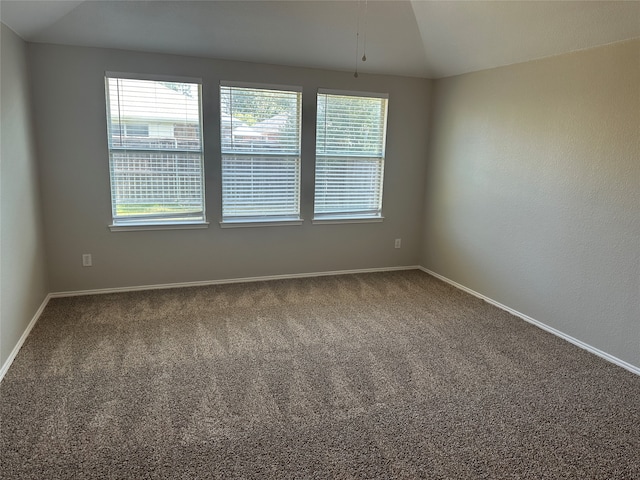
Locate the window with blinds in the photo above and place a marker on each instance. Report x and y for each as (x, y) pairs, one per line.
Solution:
(155, 151)
(260, 141)
(350, 144)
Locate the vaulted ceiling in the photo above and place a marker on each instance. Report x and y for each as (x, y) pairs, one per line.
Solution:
(430, 39)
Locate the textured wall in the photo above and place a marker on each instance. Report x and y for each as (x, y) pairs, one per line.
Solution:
(23, 284)
(68, 86)
(533, 191)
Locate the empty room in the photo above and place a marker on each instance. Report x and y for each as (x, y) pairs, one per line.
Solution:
(319, 239)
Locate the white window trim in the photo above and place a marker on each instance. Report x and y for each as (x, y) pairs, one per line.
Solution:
(336, 220)
(261, 86)
(153, 77)
(137, 227)
(260, 223)
(351, 93)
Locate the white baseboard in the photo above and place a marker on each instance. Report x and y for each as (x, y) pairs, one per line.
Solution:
(33, 321)
(524, 317)
(228, 280)
(24, 336)
(537, 323)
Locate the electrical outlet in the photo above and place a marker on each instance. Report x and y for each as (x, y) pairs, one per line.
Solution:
(398, 243)
(87, 260)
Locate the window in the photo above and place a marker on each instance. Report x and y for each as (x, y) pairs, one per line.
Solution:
(136, 130)
(155, 151)
(130, 130)
(350, 143)
(260, 139)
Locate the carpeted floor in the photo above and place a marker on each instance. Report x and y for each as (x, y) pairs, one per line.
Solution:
(389, 375)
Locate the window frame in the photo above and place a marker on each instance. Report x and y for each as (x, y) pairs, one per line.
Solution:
(353, 216)
(261, 220)
(163, 221)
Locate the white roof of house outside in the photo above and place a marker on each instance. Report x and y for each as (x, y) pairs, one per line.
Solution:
(152, 102)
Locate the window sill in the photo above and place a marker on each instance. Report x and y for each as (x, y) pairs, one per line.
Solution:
(135, 227)
(259, 223)
(337, 220)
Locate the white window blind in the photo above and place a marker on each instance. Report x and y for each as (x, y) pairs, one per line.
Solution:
(155, 151)
(260, 140)
(350, 145)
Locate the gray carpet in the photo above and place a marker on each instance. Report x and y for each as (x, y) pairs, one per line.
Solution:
(390, 375)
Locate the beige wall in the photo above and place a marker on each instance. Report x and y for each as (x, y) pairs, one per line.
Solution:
(533, 191)
(23, 284)
(68, 87)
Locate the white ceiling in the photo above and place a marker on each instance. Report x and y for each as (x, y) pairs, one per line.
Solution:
(416, 38)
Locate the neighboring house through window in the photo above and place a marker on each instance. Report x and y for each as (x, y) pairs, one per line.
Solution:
(350, 145)
(260, 140)
(155, 150)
